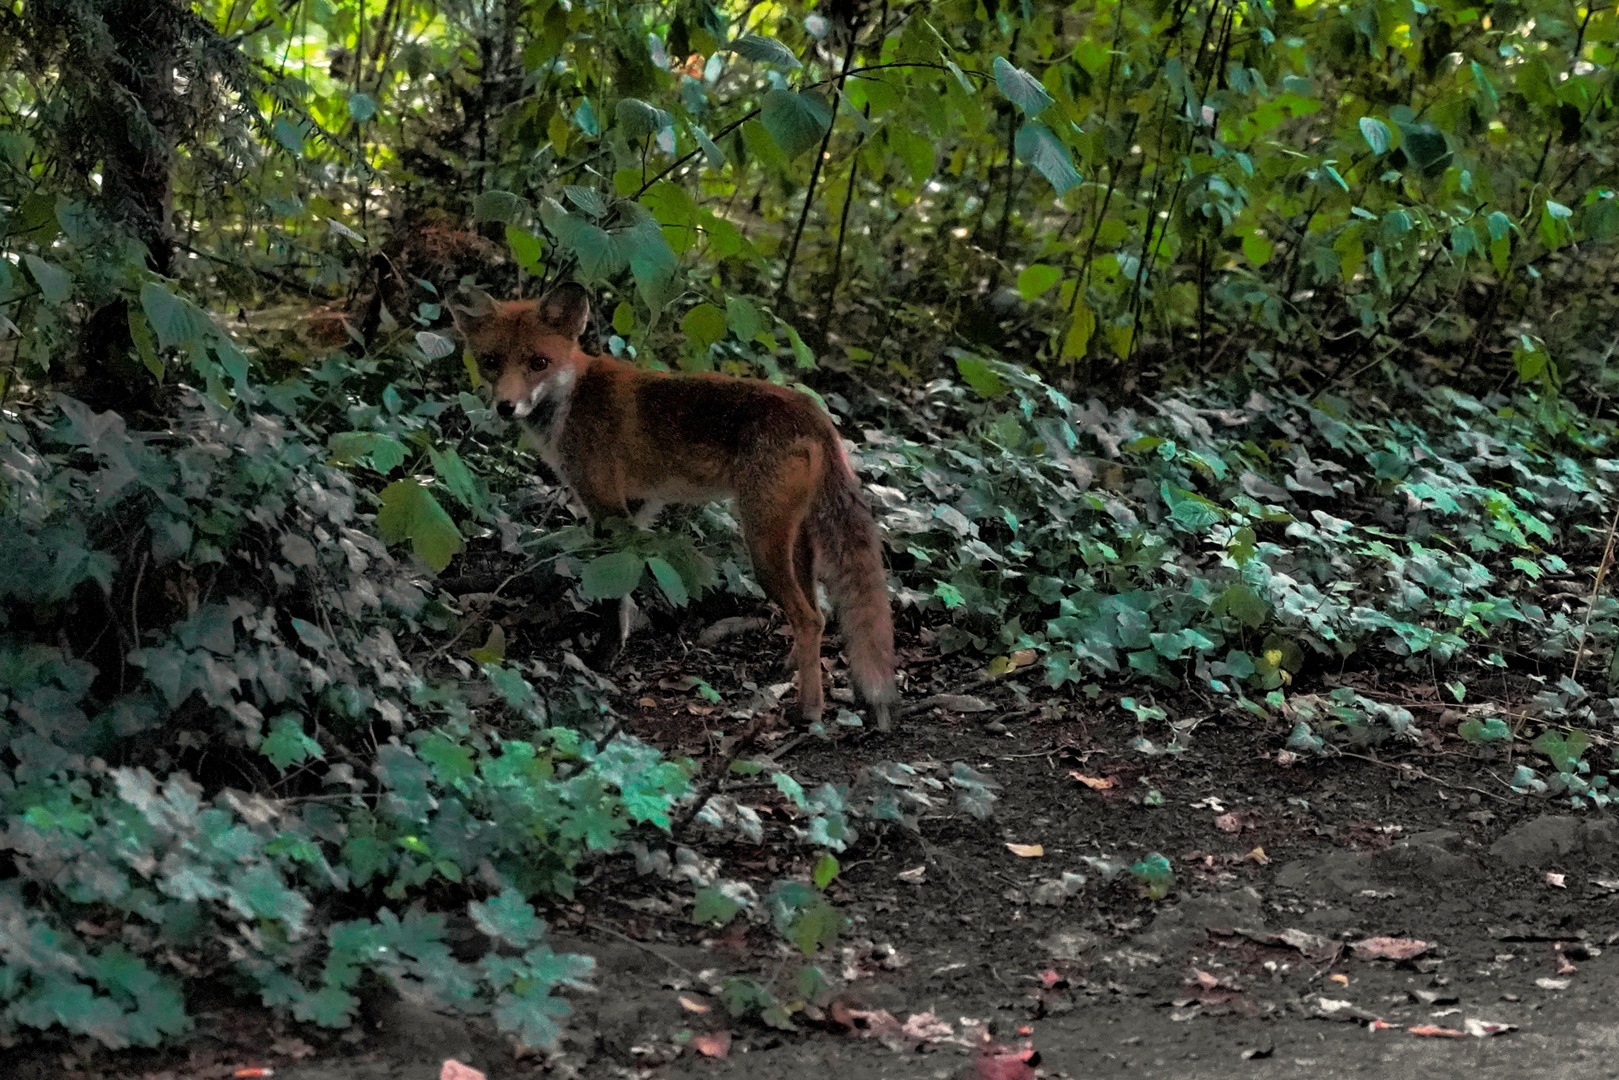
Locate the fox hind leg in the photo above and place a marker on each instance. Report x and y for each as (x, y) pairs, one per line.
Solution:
(772, 523)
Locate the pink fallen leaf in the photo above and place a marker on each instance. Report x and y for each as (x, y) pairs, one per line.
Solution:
(1556, 880)
(1483, 1029)
(1229, 823)
(454, 1070)
(1388, 948)
(996, 1062)
(1434, 1031)
(926, 1027)
(1027, 851)
(714, 1044)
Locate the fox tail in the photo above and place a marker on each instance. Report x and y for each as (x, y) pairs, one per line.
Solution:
(850, 563)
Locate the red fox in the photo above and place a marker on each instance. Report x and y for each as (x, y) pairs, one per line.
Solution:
(618, 435)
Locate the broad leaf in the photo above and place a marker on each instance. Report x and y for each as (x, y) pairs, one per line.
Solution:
(796, 121)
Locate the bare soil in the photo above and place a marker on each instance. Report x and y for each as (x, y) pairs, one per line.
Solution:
(1248, 968)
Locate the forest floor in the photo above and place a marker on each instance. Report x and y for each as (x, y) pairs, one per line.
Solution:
(956, 943)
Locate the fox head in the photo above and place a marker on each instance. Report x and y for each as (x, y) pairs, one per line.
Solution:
(527, 350)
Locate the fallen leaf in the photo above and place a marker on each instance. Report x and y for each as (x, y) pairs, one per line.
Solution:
(258, 1072)
(1564, 967)
(715, 1044)
(292, 1047)
(1229, 823)
(647, 703)
(1049, 978)
(1387, 948)
(1379, 1025)
(454, 1070)
(1313, 946)
(1005, 1063)
(1556, 880)
(1095, 783)
(1025, 657)
(1341, 980)
(916, 875)
(1552, 984)
(927, 1027)
(1027, 851)
(1258, 856)
(1435, 1032)
(1025, 1029)
(692, 1005)
(1483, 1029)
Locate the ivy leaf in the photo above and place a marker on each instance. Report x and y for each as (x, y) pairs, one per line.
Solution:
(713, 907)
(611, 577)
(410, 512)
(508, 917)
(287, 744)
(1155, 875)
(531, 1015)
(765, 51)
(795, 121)
(1039, 146)
(1021, 88)
(1480, 732)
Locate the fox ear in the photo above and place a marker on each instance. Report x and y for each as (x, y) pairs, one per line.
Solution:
(469, 306)
(566, 309)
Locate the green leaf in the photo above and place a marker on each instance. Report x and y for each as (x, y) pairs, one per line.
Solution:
(1563, 751)
(55, 284)
(434, 346)
(362, 107)
(1080, 332)
(1021, 88)
(287, 744)
(826, 868)
(795, 121)
(1480, 732)
(410, 512)
(498, 206)
(705, 325)
(531, 1015)
(1376, 134)
(508, 917)
(493, 650)
(169, 315)
(1039, 146)
(980, 376)
(1037, 279)
(1257, 249)
(713, 907)
(611, 577)
(527, 249)
(669, 580)
(1155, 875)
(765, 51)
(817, 928)
(638, 120)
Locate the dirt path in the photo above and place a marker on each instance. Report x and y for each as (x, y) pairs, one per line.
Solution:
(1247, 969)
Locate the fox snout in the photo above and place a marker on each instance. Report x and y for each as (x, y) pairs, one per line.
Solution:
(506, 410)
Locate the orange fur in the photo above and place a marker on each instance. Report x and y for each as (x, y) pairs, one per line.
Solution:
(618, 435)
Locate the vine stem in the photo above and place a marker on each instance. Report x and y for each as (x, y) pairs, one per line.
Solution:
(1596, 586)
(815, 171)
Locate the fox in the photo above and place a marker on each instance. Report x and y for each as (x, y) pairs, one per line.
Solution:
(617, 435)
